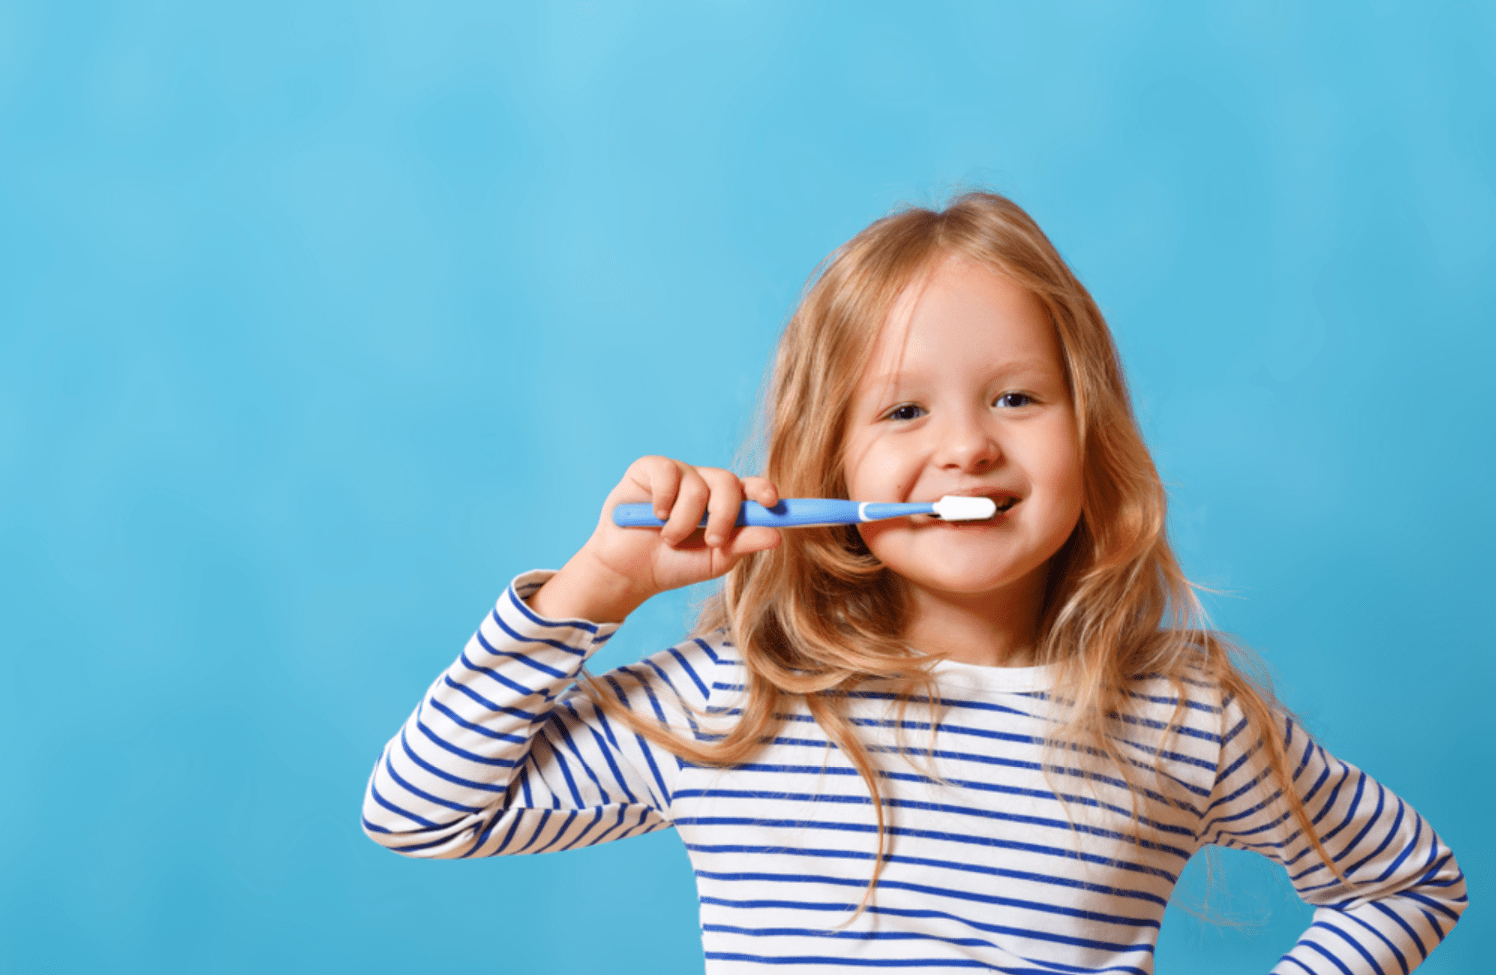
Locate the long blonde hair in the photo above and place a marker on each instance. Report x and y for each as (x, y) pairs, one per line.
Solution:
(819, 615)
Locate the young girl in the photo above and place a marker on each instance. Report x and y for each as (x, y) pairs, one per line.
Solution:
(915, 743)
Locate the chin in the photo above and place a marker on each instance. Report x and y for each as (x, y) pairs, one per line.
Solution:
(967, 580)
(975, 587)
(971, 569)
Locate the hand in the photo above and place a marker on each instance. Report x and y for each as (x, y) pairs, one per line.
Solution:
(619, 568)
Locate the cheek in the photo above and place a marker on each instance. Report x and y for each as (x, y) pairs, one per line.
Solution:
(875, 473)
(1072, 496)
(853, 455)
(873, 534)
(1068, 476)
(1066, 461)
(1065, 480)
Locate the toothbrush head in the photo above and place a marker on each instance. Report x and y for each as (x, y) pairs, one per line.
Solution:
(955, 507)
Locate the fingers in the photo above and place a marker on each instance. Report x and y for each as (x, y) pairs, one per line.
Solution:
(762, 490)
(708, 491)
(681, 495)
(722, 506)
(699, 539)
(687, 507)
(661, 478)
(678, 495)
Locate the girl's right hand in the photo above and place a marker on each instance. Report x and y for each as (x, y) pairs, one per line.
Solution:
(619, 568)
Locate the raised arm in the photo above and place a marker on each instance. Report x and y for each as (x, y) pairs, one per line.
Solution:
(1407, 891)
(504, 754)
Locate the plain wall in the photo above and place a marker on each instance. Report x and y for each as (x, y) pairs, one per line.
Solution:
(321, 321)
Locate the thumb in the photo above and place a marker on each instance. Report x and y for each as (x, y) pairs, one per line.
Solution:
(755, 539)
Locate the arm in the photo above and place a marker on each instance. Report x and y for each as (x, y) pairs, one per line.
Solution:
(504, 756)
(1407, 891)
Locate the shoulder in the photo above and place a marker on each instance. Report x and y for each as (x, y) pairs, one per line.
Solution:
(1189, 716)
(1189, 692)
(1220, 705)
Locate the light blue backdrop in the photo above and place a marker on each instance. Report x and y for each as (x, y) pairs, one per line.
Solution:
(321, 320)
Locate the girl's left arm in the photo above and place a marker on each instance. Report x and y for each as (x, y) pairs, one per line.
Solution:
(1406, 891)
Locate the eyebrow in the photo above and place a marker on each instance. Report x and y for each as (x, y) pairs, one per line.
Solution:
(902, 376)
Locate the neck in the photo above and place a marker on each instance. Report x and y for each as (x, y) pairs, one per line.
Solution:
(992, 630)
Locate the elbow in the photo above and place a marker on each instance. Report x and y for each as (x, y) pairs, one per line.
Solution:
(387, 838)
(1443, 887)
(1448, 890)
(417, 844)
(409, 835)
(422, 843)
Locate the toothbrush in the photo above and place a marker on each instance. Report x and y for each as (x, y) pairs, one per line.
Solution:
(817, 512)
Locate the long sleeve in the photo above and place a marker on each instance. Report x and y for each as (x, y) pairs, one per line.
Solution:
(1407, 889)
(505, 755)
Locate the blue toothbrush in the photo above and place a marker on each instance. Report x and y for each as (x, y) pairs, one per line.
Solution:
(815, 512)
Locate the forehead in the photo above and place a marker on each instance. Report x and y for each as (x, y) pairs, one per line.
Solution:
(958, 317)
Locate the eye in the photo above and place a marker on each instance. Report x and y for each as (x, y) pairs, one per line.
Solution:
(1014, 400)
(905, 412)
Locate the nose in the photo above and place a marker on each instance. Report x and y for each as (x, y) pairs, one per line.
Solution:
(967, 445)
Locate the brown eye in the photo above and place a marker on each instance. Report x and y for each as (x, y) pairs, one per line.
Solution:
(1013, 400)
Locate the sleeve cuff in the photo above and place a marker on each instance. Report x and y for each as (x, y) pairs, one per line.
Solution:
(578, 635)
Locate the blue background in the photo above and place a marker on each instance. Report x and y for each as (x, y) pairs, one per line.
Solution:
(320, 321)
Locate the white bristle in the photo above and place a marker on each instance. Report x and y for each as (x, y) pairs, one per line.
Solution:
(954, 507)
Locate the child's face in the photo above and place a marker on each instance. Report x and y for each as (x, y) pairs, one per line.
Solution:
(966, 394)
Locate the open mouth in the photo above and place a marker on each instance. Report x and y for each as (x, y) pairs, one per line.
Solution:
(973, 509)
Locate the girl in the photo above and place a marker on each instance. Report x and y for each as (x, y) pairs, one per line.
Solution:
(915, 743)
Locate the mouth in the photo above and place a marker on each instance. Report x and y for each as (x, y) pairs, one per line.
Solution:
(974, 509)
(1004, 500)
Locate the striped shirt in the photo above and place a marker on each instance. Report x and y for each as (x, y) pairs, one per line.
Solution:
(991, 864)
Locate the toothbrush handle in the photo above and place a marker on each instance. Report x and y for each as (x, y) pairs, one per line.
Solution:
(788, 513)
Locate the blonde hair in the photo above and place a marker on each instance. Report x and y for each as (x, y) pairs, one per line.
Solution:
(819, 615)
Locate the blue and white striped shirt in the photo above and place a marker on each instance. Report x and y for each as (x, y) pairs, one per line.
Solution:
(988, 867)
